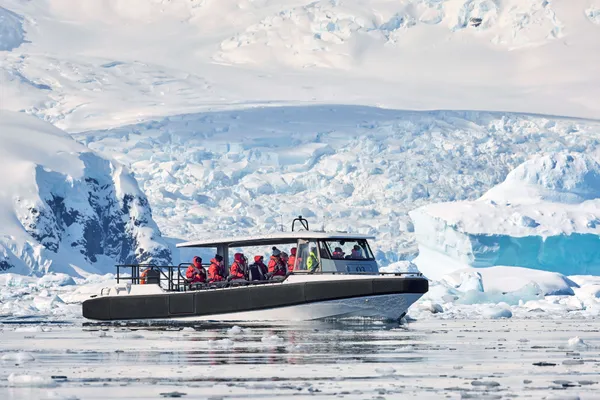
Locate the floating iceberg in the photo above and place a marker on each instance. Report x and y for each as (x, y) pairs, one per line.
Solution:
(544, 216)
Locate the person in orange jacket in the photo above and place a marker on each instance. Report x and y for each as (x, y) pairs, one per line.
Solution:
(238, 268)
(216, 271)
(292, 260)
(276, 265)
(196, 272)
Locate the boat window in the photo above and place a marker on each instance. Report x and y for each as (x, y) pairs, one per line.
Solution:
(349, 249)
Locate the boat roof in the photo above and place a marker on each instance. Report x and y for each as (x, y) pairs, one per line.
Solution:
(275, 238)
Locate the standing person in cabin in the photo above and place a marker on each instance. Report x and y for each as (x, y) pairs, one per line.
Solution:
(313, 261)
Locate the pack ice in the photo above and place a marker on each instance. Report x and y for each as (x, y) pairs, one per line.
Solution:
(65, 209)
(545, 216)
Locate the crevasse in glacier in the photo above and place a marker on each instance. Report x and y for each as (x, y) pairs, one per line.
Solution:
(545, 215)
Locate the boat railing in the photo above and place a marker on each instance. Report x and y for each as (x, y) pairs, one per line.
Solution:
(172, 279)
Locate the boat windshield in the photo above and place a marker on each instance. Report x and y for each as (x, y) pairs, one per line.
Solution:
(350, 249)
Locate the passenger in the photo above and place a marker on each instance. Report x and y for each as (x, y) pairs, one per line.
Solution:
(260, 260)
(292, 260)
(276, 265)
(143, 276)
(338, 253)
(238, 267)
(257, 271)
(150, 275)
(313, 262)
(196, 272)
(356, 252)
(284, 259)
(216, 271)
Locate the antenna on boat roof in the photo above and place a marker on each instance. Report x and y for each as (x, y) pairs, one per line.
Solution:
(281, 225)
(302, 221)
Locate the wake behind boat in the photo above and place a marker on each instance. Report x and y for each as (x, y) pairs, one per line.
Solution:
(333, 275)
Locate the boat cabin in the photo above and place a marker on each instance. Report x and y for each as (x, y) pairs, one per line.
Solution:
(335, 252)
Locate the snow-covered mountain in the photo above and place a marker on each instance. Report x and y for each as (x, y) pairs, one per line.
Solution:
(545, 215)
(237, 115)
(65, 209)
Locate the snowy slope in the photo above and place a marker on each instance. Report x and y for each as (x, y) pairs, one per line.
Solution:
(105, 63)
(545, 215)
(64, 208)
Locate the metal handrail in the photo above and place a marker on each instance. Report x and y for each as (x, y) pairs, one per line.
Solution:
(180, 283)
(173, 283)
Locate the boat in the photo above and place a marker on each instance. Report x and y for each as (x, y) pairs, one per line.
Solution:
(339, 285)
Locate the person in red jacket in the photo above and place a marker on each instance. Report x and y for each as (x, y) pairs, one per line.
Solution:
(238, 268)
(292, 260)
(195, 272)
(216, 271)
(276, 265)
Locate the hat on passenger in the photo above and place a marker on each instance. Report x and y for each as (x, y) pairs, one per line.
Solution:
(218, 257)
(258, 259)
(293, 251)
(276, 252)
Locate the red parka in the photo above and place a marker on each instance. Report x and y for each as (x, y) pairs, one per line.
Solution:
(195, 272)
(216, 271)
(237, 268)
(276, 266)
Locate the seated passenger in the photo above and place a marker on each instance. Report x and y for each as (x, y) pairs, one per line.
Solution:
(216, 271)
(257, 271)
(284, 259)
(238, 268)
(338, 253)
(356, 252)
(292, 260)
(276, 265)
(313, 262)
(195, 272)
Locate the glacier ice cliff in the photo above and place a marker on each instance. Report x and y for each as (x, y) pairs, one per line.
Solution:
(545, 215)
(65, 209)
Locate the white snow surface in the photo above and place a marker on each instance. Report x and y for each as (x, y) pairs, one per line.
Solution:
(61, 205)
(105, 63)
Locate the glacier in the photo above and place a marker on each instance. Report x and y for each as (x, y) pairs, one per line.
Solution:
(545, 216)
(65, 209)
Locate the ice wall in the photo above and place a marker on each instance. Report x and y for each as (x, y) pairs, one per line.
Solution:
(545, 215)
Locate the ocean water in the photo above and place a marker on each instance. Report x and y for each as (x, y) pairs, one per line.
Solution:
(452, 359)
